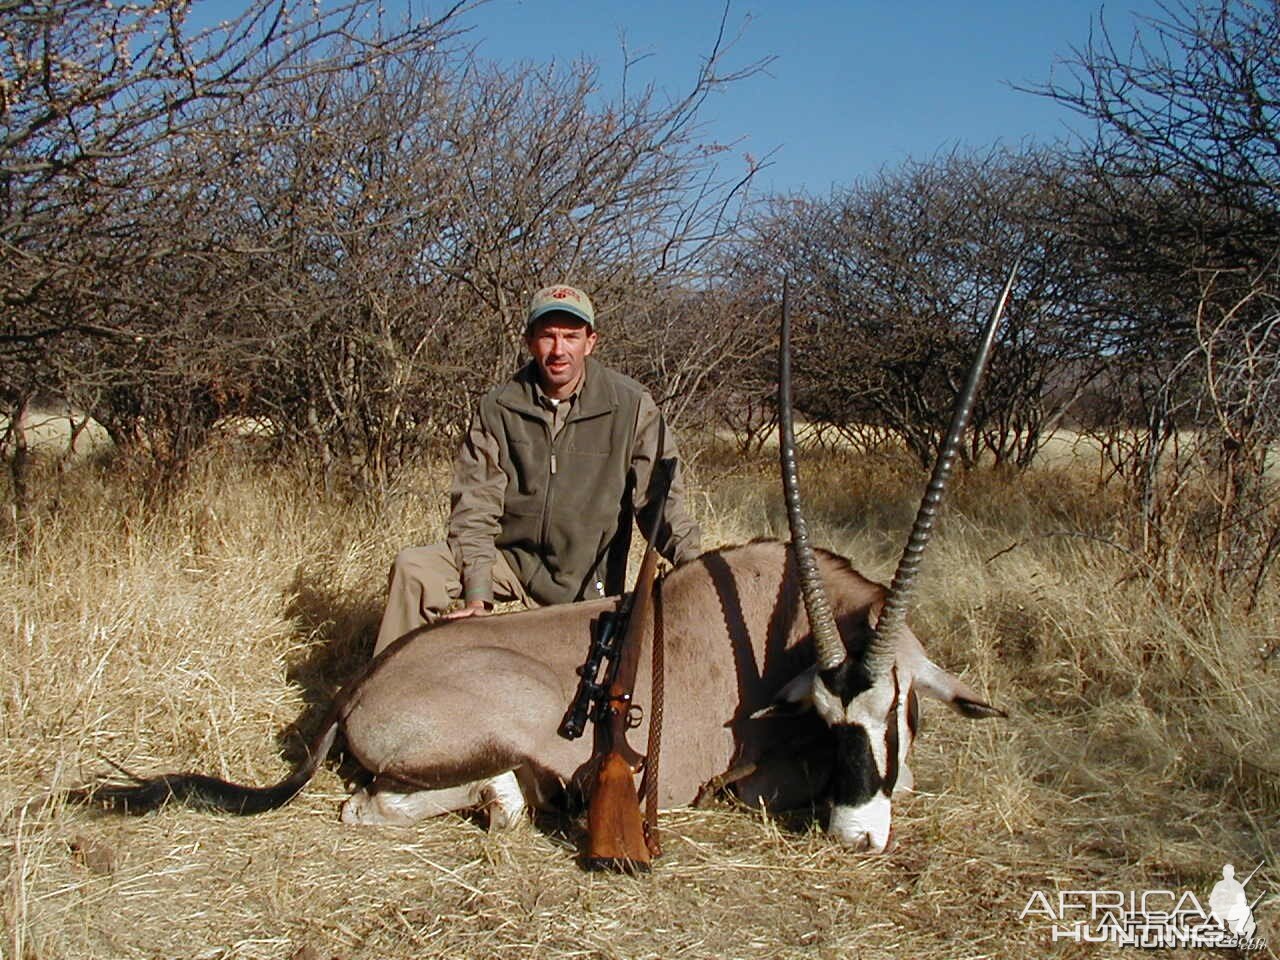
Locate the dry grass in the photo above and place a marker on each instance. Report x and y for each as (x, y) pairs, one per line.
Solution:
(199, 633)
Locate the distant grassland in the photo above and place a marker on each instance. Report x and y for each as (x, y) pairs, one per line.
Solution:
(201, 631)
(49, 431)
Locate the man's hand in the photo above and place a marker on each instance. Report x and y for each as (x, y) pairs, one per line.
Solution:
(474, 608)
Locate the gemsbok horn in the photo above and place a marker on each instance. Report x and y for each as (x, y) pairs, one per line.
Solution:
(859, 684)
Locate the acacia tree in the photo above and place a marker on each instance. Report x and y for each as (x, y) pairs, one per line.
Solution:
(709, 351)
(897, 275)
(308, 216)
(1177, 201)
(107, 279)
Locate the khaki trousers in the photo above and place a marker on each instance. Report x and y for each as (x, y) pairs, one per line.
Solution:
(425, 582)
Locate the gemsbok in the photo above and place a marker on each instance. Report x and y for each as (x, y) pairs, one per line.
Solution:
(790, 679)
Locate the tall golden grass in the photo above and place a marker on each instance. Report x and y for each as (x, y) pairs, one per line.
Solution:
(203, 629)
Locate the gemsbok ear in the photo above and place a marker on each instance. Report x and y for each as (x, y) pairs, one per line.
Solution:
(795, 697)
(932, 681)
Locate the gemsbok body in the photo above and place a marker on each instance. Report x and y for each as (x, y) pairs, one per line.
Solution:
(790, 679)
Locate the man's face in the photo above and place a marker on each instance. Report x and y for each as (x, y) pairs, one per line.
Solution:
(560, 345)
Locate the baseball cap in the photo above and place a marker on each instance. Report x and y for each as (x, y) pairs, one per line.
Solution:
(564, 299)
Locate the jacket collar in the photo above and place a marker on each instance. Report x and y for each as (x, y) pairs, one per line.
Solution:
(596, 397)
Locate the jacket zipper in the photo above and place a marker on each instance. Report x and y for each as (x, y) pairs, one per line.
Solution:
(552, 441)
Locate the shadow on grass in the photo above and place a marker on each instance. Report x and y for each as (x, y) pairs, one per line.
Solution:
(336, 628)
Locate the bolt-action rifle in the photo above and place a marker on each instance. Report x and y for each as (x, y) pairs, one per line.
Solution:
(618, 837)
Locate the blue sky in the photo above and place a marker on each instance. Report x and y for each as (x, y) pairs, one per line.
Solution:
(855, 86)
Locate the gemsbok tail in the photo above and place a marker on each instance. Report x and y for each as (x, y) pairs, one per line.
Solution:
(205, 792)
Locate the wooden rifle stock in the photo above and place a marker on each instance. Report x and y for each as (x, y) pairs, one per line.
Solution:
(616, 836)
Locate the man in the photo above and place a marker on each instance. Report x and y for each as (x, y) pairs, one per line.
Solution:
(555, 464)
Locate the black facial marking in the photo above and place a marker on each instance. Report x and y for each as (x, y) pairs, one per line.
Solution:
(855, 779)
(847, 680)
(850, 678)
